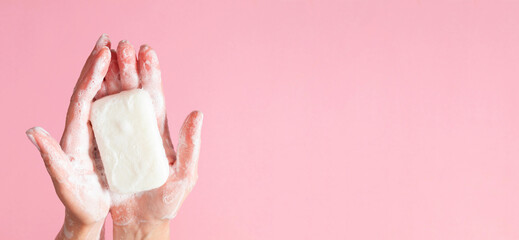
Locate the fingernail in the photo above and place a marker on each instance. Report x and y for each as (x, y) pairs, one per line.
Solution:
(102, 39)
(124, 42)
(41, 130)
(31, 137)
(145, 47)
(199, 118)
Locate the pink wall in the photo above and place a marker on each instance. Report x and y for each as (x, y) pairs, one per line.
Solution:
(323, 119)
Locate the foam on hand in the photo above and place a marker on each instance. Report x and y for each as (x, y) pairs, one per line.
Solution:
(129, 141)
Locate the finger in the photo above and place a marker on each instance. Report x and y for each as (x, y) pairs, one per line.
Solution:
(189, 145)
(103, 41)
(112, 80)
(56, 161)
(79, 108)
(150, 76)
(111, 83)
(149, 72)
(127, 65)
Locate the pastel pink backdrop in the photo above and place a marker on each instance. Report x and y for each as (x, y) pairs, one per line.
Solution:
(323, 119)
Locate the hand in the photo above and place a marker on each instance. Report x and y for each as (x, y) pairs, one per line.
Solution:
(72, 166)
(147, 214)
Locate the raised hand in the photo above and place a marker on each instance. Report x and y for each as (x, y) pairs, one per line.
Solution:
(147, 214)
(72, 166)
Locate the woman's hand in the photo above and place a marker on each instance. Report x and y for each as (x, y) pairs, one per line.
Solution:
(76, 177)
(147, 214)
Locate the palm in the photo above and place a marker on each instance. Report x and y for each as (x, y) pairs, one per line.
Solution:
(83, 194)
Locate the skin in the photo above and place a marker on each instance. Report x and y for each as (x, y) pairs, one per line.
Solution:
(75, 167)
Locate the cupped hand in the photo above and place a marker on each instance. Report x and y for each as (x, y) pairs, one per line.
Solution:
(72, 164)
(156, 206)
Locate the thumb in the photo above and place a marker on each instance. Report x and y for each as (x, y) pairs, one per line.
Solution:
(189, 145)
(56, 161)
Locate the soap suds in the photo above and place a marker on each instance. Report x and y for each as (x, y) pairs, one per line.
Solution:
(87, 190)
(120, 198)
(68, 234)
(176, 198)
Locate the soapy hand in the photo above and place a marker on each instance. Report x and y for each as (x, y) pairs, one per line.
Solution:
(148, 213)
(72, 166)
(76, 169)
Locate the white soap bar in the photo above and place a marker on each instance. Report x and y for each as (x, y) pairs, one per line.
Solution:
(128, 139)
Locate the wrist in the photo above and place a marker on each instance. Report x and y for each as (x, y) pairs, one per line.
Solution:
(74, 229)
(142, 230)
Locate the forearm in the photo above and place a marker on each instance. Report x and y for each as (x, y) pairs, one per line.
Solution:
(72, 229)
(143, 230)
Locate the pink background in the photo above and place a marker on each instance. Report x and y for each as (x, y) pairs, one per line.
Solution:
(323, 119)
